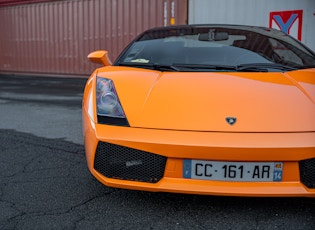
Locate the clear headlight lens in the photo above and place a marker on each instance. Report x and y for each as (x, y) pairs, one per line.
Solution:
(107, 101)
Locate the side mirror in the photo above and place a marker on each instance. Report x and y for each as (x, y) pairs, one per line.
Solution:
(100, 57)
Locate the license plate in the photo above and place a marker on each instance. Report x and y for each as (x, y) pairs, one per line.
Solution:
(233, 171)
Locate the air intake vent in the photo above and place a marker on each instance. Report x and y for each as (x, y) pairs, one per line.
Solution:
(307, 172)
(119, 162)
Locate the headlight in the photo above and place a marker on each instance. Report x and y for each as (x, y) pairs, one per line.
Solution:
(109, 110)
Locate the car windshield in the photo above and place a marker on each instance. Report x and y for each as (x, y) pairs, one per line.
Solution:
(217, 48)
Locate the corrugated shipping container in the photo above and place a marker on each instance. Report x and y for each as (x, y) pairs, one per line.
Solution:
(55, 37)
(296, 17)
(19, 2)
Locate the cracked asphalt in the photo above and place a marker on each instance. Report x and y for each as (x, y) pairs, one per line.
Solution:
(45, 183)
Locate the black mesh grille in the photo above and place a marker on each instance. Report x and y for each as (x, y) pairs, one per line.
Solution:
(119, 162)
(307, 172)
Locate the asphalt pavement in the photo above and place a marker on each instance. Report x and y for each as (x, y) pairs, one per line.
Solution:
(45, 183)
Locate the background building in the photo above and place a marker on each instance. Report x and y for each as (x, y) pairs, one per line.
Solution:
(295, 17)
(54, 37)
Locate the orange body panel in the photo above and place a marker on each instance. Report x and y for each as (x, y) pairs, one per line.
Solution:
(167, 116)
(263, 102)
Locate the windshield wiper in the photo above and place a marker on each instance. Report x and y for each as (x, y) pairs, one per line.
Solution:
(251, 67)
(152, 66)
(263, 67)
(202, 67)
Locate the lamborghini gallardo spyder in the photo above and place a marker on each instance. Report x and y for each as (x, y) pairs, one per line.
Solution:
(204, 109)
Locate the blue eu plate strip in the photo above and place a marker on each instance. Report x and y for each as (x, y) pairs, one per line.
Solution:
(187, 169)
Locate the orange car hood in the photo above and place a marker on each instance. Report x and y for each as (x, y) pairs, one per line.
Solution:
(201, 101)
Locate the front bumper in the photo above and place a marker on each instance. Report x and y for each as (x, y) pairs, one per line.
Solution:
(174, 146)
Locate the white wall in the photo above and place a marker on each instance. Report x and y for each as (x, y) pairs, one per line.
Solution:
(254, 12)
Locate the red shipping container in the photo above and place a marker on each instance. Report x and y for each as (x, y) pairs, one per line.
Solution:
(54, 37)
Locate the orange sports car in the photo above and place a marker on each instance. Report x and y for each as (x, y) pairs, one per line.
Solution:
(204, 109)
